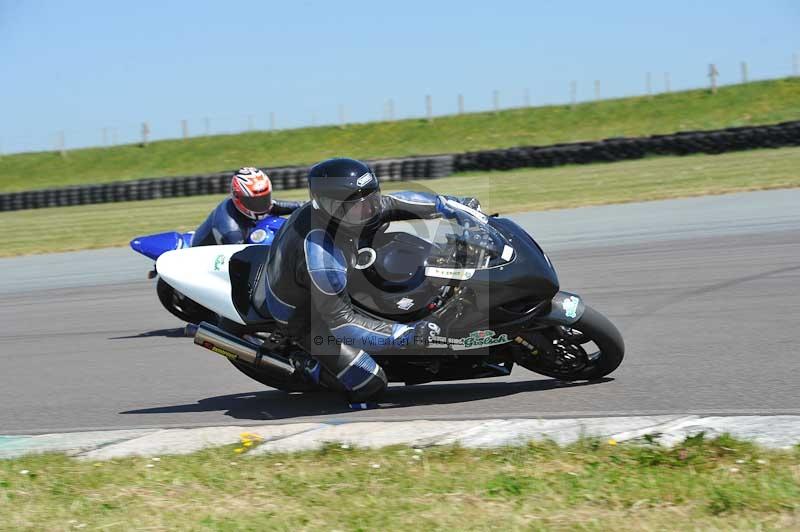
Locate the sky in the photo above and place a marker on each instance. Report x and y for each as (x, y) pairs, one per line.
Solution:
(95, 70)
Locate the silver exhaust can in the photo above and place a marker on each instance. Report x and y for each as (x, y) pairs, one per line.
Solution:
(235, 348)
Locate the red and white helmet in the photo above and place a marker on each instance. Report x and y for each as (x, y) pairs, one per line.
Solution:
(251, 191)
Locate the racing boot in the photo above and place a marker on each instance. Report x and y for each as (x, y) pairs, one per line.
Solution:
(356, 373)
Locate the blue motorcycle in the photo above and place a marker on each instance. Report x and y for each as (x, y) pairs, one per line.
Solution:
(180, 306)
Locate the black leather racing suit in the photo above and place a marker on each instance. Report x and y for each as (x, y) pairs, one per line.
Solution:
(226, 225)
(306, 290)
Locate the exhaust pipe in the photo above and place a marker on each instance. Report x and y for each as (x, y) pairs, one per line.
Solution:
(235, 348)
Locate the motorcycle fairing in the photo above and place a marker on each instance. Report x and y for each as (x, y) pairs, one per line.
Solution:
(152, 246)
(565, 309)
(202, 274)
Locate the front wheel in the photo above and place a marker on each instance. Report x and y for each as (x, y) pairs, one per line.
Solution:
(589, 349)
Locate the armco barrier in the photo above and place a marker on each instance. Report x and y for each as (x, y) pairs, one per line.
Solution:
(429, 167)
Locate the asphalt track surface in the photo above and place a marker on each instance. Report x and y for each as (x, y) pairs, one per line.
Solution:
(706, 292)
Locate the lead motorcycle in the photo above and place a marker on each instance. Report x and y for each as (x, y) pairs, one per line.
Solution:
(484, 280)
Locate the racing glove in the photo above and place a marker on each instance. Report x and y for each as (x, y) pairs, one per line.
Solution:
(472, 203)
(443, 208)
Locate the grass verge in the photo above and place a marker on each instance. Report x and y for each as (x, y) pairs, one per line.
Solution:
(762, 102)
(104, 225)
(721, 485)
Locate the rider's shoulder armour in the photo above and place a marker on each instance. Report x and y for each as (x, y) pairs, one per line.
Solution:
(326, 263)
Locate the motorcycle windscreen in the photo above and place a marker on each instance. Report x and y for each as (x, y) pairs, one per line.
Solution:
(464, 245)
(201, 274)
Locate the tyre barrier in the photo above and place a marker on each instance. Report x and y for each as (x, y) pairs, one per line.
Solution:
(428, 167)
(622, 148)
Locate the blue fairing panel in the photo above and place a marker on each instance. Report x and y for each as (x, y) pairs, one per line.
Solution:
(326, 263)
(153, 246)
(272, 222)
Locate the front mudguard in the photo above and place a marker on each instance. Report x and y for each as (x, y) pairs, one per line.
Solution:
(565, 309)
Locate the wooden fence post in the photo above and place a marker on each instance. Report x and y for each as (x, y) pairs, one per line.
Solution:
(185, 129)
(712, 74)
(573, 92)
(743, 66)
(461, 104)
(428, 107)
(60, 141)
(145, 133)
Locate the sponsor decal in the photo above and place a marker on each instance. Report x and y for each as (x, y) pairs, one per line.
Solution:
(219, 350)
(459, 274)
(475, 340)
(570, 306)
(219, 262)
(364, 180)
(484, 338)
(258, 236)
(405, 303)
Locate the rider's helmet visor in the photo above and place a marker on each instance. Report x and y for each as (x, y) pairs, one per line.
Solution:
(352, 212)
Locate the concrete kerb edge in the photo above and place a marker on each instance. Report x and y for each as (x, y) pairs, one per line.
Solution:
(778, 431)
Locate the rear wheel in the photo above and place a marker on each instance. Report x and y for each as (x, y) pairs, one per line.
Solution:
(181, 306)
(297, 382)
(589, 349)
(279, 382)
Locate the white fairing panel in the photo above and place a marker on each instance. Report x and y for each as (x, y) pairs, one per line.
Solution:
(201, 274)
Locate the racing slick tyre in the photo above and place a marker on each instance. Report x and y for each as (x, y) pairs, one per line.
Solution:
(285, 384)
(182, 307)
(589, 349)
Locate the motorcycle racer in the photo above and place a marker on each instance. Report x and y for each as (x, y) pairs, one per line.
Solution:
(235, 217)
(308, 263)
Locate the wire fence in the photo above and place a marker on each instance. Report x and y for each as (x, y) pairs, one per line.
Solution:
(115, 134)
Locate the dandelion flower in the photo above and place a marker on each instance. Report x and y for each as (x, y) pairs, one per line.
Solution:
(238, 450)
(612, 441)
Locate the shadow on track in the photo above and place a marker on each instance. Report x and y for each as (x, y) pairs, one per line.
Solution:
(274, 405)
(178, 332)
